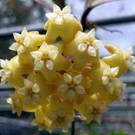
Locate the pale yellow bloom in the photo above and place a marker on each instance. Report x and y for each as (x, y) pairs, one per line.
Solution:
(41, 120)
(95, 111)
(16, 103)
(119, 87)
(58, 16)
(22, 41)
(129, 60)
(6, 72)
(30, 91)
(60, 119)
(90, 44)
(109, 75)
(92, 110)
(71, 86)
(45, 56)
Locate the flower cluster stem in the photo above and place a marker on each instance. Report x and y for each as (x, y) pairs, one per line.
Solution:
(73, 128)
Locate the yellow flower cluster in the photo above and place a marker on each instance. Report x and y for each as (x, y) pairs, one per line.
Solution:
(60, 73)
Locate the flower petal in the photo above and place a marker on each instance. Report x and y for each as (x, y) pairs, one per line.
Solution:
(49, 64)
(53, 54)
(3, 80)
(59, 20)
(80, 89)
(114, 71)
(110, 87)
(91, 34)
(14, 47)
(105, 80)
(67, 78)
(17, 36)
(63, 88)
(26, 41)
(45, 49)
(71, 95)
(39, 65)
(10, 101)
(20, 49)
(77, 79)
(82, 47)
(24, 32)
(51, 16)
(36, 54)
(66, 10)
(22, 91)
(68, 17)
(92, 51)
(35, 88)
(28, 84)
(56, 9)
(2, 63)
(97, 43)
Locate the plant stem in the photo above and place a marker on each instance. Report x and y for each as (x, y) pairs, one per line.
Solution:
(73, 128)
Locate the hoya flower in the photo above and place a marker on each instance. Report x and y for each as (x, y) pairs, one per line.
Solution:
(92, 110)
(124, 59)
(71, 86)
(41, 120)
(90, 44)
(45, 56)
(59, 22)
(6, 72)
(84, 45)
(16, 103)
(22, 41)
(119, 87)
(129, 60)
(95, 111)
(60, 119)
(108, 75)
(30, 91)
(58, 16)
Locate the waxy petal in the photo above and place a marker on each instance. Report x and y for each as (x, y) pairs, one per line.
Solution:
(63, 88)
(114, 71)
(17, 36)
(36, 54)
(24, 32)
(26, 41)
(59, 20)
(10, 101)
(49, 64)
(82, 47)
(39, 65)
(14, 47)
(91, 34)
(56, 9)
(67, 78)
(28, 84)
(80, 89)
(77, 79)
(35, 88)
(105, 80)
(53, 54)
(51, 16)
(21, 49)
(22, 91)
(66, 10)
(92, 51)
(71, 95)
